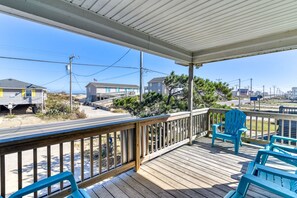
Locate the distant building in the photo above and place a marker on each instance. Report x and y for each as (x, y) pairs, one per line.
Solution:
(100, 91)
(242, 92)
(294, 92)
(157, 85)
(14, 92)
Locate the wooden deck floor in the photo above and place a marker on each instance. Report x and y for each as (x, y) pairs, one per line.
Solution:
(189, 171)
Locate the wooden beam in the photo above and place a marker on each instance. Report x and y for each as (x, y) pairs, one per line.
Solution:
(190, 101)
(137, 146)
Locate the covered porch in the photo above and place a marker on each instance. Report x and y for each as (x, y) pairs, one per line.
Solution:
(147, 157)
(191, 33)
(188, 171)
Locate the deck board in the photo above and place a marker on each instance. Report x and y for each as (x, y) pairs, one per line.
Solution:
(188, 171)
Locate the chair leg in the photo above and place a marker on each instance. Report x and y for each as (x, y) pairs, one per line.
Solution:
(236, 146)
(213, 139)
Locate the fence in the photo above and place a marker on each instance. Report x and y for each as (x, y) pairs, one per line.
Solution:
(93, 153)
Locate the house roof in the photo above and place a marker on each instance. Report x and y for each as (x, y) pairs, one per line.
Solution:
(112, 85)
(158, 79)
(17, 84)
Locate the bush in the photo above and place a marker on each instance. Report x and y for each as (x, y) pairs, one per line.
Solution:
(57, 107)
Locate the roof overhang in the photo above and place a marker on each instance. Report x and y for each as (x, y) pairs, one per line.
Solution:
(185, 31)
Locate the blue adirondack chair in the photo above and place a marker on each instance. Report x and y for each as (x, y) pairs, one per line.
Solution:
(287, 150)
(274, 180)
(233, 128)
(75, 191)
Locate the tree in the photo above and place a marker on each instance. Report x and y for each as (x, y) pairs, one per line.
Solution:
(205, 94)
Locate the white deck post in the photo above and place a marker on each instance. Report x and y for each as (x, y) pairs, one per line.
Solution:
(190, 101)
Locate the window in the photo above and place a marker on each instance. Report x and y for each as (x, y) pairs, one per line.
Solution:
(107, 90)
(159, 84)
(28, 93)
(118, 89)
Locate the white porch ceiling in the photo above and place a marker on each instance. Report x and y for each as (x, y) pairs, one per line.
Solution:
(197, 31)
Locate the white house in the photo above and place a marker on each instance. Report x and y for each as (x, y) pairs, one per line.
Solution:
(99, 91)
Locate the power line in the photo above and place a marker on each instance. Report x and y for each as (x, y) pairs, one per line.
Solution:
(64, 63)
(55, 80)
(108, 66)
(150, 70)
(120, 76)
(81, 64)
(78, 83)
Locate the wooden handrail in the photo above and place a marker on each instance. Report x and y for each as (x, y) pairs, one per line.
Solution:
(145, 137)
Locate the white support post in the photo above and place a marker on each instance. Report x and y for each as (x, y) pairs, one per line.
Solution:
(190, 101)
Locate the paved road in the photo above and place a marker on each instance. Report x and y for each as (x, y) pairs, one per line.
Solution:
(234, 102)
(45, 128)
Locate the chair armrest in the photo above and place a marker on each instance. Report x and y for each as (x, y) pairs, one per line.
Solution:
(218, 124)
(281, 148)
(275, 171)
(46, 183)
(277, 137)
(262, 152)
(240, 131)
(272, 187)
(215, 127)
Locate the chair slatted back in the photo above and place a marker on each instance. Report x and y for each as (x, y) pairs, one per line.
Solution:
(234, 120)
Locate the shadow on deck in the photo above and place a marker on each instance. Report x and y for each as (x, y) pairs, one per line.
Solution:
(189, 171)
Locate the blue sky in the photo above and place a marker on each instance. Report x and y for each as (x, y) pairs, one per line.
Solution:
(26, 39)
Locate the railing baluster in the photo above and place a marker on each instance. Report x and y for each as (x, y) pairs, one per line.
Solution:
(221, 121)
(49, 165)
(142, 135)
(212, 118)
(283, 131)
(174, 132)
(164, 133)
(61, 163)
(178, 130)
(251, 126)
(91, 156)
(72, 156)
(100, 153)
(275, 128)
(128, 145)
(35, 168)
(160, 135)
(152, 138)
(82, 161)
(147, 140)
(156, 136)
(256, 127)
(181, 130)
(107, 150)
(20, 170)
(262, 129)
(2, 174)
(269, 122)
(194, 121)
(290, 124)
(115, 149)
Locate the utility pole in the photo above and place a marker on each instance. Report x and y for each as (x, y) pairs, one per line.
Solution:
(263, 91)
(141, 78)
(274, 90)
(251, 91)
(239, 81)
(69, 67)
